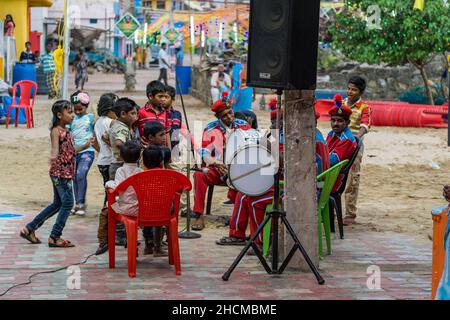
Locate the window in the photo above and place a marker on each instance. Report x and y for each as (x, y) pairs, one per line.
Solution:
(93, 21)
(161, 4)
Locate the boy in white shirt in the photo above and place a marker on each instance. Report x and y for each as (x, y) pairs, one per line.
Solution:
(104, 160)
(127, 204)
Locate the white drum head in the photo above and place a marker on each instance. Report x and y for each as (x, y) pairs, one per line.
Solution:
(252, 170)
(239, 138)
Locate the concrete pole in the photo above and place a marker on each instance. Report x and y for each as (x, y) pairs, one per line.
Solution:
(65, 84)
(300, 174)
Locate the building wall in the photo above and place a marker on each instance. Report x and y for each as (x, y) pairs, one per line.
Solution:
(98, 14)
(19, 11)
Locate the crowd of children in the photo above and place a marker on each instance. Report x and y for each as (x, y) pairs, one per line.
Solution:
(130, 139)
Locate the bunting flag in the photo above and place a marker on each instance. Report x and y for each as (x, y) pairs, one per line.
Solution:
(419, 4)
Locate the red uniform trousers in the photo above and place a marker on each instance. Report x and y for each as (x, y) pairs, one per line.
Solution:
(249, 208)
(201, 182)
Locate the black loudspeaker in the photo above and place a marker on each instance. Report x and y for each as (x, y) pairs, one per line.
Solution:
(283, 44)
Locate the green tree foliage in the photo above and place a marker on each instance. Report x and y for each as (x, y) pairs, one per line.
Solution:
(393, 32)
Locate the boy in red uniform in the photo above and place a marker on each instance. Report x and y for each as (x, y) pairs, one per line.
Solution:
(341, 142)
(213, 142)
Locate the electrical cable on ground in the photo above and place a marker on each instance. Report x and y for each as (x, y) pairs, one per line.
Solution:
(45, 272)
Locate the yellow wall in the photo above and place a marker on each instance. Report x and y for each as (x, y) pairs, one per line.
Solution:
(19, 11)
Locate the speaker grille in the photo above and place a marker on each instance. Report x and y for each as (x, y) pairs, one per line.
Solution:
(272, 16)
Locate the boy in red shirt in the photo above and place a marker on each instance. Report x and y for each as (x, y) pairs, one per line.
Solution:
(153, 110)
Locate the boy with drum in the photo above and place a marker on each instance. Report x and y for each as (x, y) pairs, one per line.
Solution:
(253, 208)
(212, 152)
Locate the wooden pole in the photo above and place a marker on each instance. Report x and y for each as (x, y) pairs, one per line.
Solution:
(300, 174)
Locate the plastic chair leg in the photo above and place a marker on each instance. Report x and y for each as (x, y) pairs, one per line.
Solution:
(266, 237)
(131, 228)
(266, 232)
(170, 246)
(175, 246)
(331, 214)
(319, 233)
(326, 225)
(32, 118)
(339, 216)
(16, 119)
(28, 118)
(111, 241)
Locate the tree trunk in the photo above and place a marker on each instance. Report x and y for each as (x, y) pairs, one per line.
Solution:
(300, 174)
(423, 73)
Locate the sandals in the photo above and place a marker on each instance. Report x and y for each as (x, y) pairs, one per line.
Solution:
(230, 241)
(60, 243)
(29, 235)
(198, 226)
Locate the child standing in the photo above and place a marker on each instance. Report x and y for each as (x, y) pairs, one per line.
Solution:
(104, 160)
(121, 131)
(360, 122)
(62, 171)
(175, 122)
(153, 111)
(82, 129)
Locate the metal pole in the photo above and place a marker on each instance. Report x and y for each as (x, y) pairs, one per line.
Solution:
(65, 84)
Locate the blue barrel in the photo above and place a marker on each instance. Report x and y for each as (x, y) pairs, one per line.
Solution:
(183, 77)
(24, 71)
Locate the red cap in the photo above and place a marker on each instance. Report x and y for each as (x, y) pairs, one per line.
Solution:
(317, 115)
(219, 106)
(340, 109)
(273, 103)
(273, 114)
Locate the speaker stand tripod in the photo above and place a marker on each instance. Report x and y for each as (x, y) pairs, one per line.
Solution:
(275, 215)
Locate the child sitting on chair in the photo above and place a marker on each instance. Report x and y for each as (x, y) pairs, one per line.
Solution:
(127, 204)
(153, 158)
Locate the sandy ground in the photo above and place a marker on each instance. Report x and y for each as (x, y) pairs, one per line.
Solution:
(398, 189)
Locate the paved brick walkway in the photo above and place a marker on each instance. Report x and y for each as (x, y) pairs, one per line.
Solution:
(405, 265)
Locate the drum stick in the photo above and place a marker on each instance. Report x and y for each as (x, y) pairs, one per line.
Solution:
(252, 171)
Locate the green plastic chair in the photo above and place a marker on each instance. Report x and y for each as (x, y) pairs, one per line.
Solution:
(328, 178)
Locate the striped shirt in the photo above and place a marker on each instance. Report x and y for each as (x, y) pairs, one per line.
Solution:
(360, 117)
(149, 113)
(48, 63)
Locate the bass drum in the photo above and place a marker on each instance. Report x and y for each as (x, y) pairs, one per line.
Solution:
(239, 138)
(251, 170)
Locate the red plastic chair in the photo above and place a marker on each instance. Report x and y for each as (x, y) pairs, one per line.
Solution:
(158, 192)
(26, 101)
